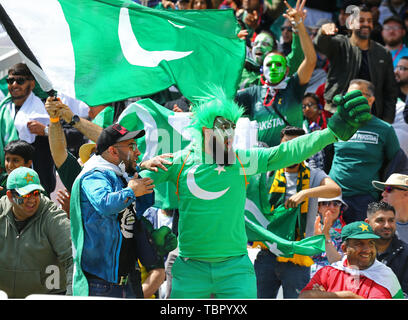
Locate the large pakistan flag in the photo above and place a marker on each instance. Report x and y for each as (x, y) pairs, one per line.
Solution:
(101, 51)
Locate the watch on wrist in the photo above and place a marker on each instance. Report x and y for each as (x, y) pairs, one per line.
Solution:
(75, 119)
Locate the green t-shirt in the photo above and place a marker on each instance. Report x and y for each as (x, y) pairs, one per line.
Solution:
(212, 198)
(288, 101)
(357, 162)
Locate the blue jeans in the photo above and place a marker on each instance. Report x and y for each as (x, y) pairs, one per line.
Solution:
(102, 288)
(271, 274)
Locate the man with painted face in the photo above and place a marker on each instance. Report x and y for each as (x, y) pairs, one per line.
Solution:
(278, 102)
(211, 186)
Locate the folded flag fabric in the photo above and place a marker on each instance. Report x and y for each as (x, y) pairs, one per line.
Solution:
(101, 51)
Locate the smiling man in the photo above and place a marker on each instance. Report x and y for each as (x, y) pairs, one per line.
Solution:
(391, 250)
(358, 57)
(358, 275)
(33, 226)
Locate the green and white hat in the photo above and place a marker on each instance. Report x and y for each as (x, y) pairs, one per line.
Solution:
(358, 230)
(24, 180)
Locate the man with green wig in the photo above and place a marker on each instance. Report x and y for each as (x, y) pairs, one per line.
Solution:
(211, 179)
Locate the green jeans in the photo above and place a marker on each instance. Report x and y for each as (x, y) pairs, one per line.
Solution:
(233, 278)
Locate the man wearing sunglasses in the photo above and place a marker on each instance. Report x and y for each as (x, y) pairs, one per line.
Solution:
(107, 202)
(395, 192)
(31, 225)
(25, 118)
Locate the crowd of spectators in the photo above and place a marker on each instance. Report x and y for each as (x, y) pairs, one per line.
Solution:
(324, 50)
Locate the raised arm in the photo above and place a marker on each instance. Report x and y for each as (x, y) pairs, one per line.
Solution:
(56, 136)
(297, 16)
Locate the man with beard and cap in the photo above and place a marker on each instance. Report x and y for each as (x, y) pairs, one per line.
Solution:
(107, 202)
(358, 57)
(278, 102)
(211, 180)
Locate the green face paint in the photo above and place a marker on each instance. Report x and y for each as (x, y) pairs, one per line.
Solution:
(274, 68)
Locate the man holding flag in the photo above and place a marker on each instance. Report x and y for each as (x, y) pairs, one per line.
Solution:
(211, 181)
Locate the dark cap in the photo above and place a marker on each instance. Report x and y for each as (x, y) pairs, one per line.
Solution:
(358, 230)
(113, 134)
(396, 19)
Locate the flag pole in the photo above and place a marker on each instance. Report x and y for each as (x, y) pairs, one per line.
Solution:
(26, 52)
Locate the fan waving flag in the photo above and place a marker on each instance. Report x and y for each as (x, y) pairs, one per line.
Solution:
(100, 51)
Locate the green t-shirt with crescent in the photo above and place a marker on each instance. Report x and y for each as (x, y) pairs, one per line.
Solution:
(212, 197)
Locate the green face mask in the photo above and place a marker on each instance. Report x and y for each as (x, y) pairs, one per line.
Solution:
(274, 68)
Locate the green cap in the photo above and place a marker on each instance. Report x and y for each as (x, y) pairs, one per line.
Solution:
(24, 180)
(358, 230)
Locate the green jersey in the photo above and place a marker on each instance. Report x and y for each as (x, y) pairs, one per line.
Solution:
(359, 160)
(260, 103)
(212, 197)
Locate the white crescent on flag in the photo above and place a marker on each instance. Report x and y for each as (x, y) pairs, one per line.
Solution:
(134, 53)
(199, 192)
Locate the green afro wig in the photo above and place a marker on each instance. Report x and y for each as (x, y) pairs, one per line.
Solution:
(215, 104)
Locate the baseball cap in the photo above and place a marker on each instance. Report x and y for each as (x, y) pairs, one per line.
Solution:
(24, 180)
(396, 179)
(358, 230)
(113, 134)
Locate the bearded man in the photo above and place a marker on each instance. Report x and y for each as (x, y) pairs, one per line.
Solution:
(211, 180)
(358, 57)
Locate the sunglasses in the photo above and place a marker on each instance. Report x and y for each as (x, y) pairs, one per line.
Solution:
(309, 105)
(131, 147)
(19, 81)
(389, 189)
(335, 203)
(286, 28)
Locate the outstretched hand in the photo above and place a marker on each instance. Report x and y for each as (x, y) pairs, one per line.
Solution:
(157, 162)
(352, 112)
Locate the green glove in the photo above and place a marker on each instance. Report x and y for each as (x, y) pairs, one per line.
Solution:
(164, 239)
(352, 112)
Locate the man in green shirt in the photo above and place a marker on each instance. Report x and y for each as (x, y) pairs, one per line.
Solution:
(360, 160)
(211, 181)
(278, 102)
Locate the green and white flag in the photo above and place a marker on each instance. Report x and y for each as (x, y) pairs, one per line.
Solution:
(167, 132)
(101, 51)
(276, 230)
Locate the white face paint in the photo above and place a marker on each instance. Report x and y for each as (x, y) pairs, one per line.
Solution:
(262, 45)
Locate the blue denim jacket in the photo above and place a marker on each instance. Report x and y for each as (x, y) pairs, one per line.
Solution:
(103, 196)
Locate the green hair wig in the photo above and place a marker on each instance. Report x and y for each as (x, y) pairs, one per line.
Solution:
(215, 104)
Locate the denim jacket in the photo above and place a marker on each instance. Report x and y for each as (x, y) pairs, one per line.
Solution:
(103, 196)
